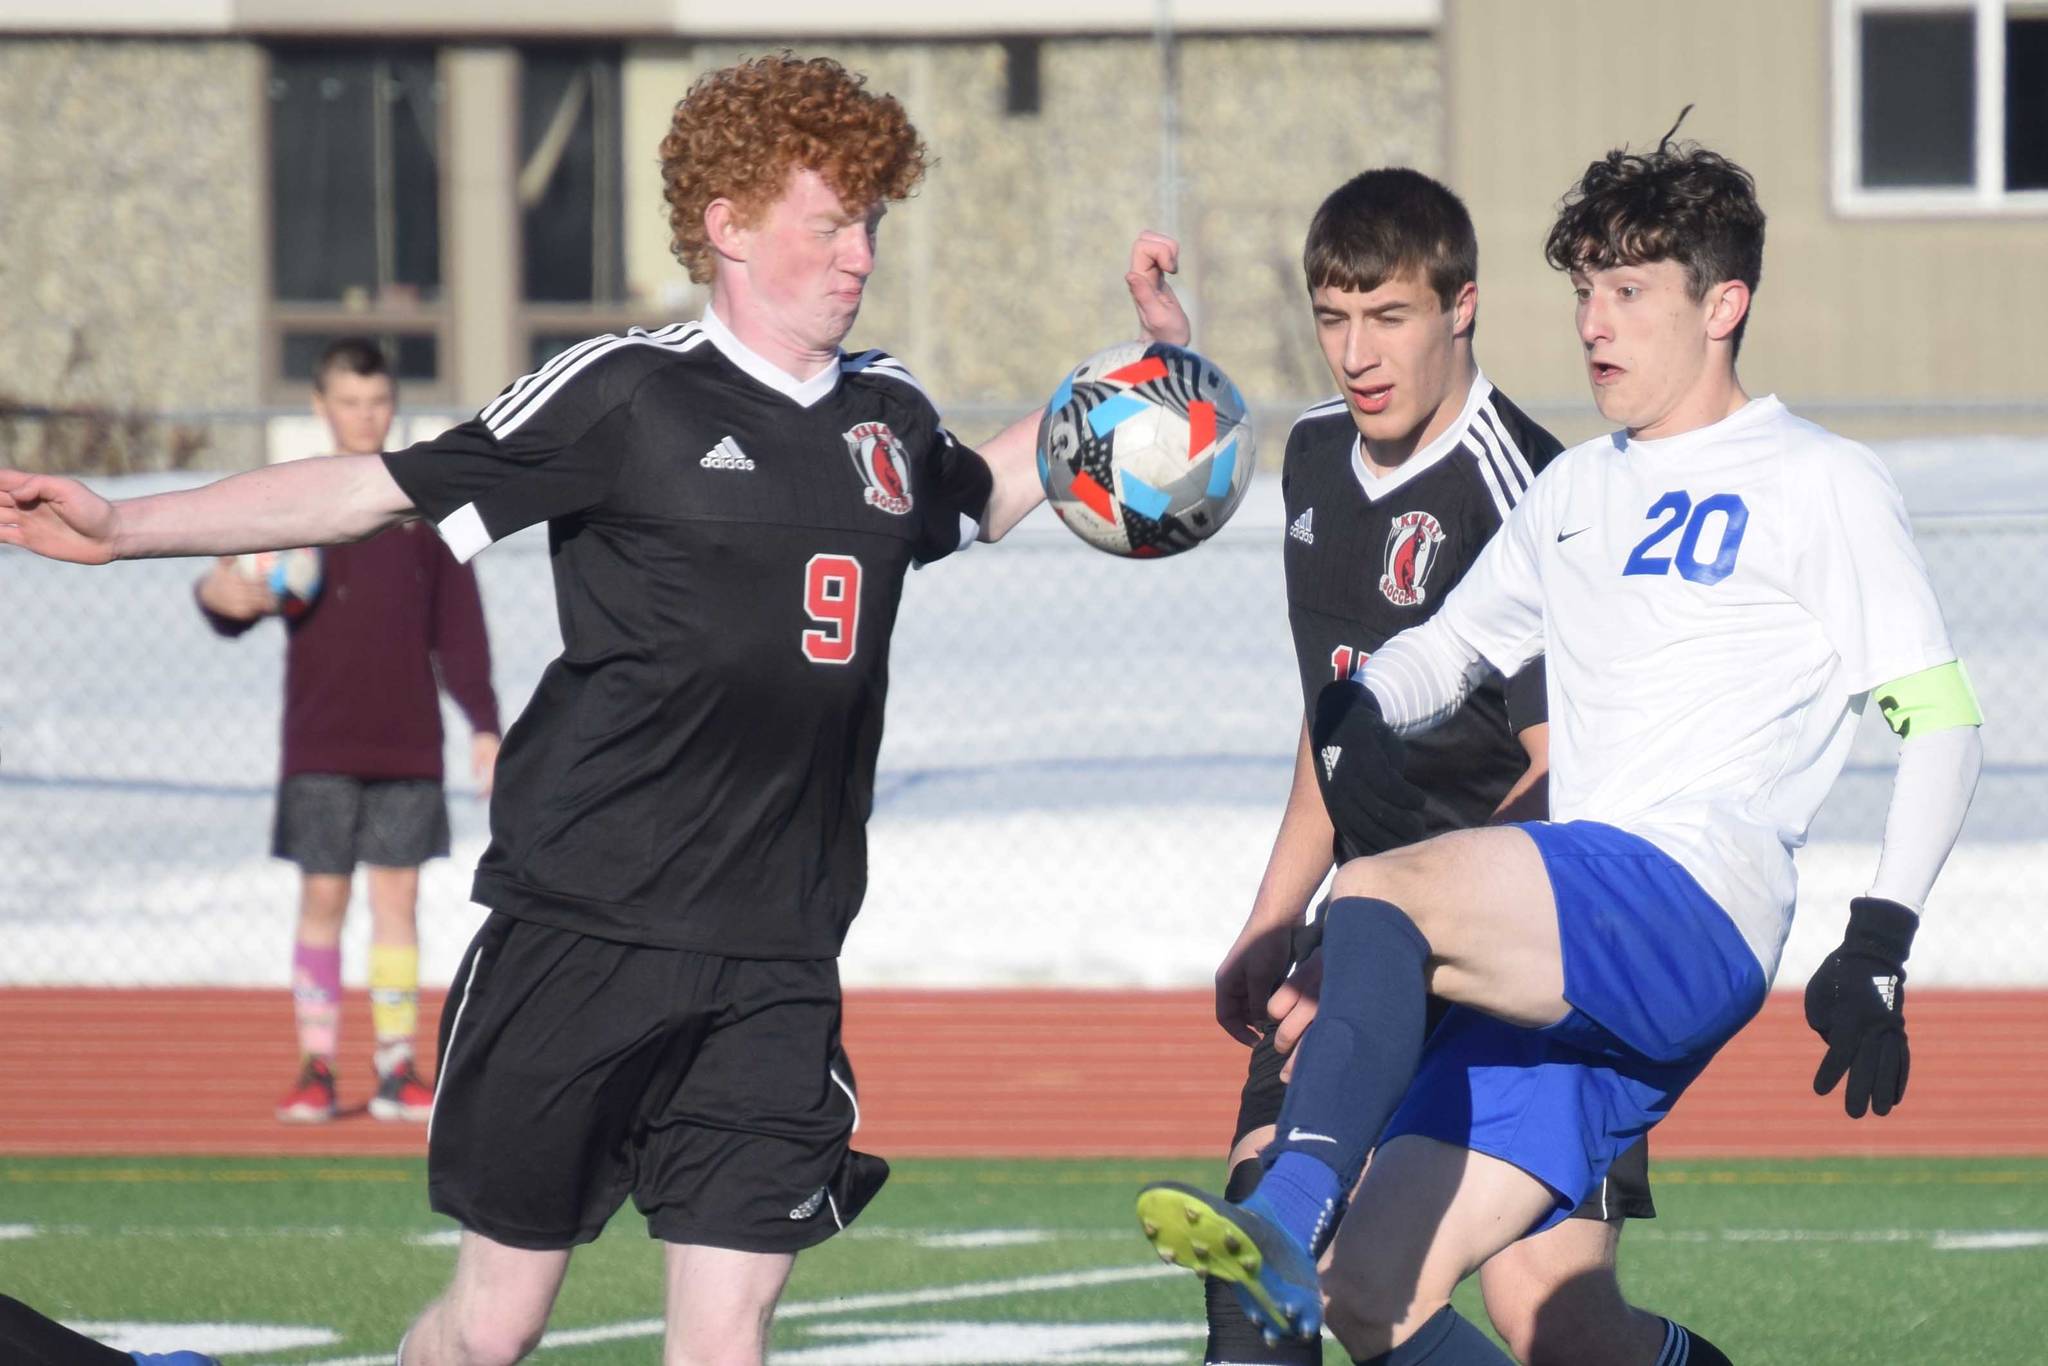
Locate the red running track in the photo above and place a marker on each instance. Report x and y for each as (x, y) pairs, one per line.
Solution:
(973, 1074)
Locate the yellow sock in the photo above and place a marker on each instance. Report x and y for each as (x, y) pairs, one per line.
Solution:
(394, 997)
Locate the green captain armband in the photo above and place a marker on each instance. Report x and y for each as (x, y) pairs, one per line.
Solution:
(1939, 698)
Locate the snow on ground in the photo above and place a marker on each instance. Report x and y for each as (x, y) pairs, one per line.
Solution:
(1084, 763)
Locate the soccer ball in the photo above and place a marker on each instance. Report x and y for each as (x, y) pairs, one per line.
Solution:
(1145, 449)
(293, 576)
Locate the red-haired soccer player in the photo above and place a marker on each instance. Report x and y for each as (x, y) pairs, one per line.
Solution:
(678, 829)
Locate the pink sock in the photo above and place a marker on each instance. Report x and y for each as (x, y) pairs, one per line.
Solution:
(316, 998)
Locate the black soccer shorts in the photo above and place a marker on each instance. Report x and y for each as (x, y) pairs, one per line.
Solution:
(330, 822)
(1624, 1194)
(576, 1071)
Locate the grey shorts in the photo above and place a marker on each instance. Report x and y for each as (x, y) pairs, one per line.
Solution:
(329, 822)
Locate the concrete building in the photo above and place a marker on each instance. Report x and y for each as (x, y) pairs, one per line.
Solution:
(195, 194)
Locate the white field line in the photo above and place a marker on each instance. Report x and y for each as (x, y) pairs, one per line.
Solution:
(848, 1304)
(447, 1237)
(2002, 1241)
(13, 1233)
(1940, 1240)
(987, 1237)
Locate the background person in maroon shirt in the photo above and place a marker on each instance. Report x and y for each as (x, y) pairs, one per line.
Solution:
(361, 772)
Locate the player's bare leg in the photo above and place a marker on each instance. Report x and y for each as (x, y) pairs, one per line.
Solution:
(1482, 900)
(719, 1304)
(323, 905)
(1427, 1215)
(394, 903)
(1468, 914)
(493, 1311)
(1556, 1299)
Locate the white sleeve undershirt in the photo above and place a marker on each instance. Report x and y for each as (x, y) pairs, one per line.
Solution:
(1421, 676)
(1930, 796)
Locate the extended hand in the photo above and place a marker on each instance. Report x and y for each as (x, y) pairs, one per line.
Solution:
(225, 592)
(1856, 1001)
(1293, 1008)
(1246, 976)
(483, 761)
(55, 517)
(1359, 764)
(1154, 256)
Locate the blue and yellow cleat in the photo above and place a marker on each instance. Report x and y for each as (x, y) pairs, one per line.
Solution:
(174, 1359)
(1272, 1276)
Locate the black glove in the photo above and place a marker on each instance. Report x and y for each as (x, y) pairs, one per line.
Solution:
(1857, 1003)
(1359, 767)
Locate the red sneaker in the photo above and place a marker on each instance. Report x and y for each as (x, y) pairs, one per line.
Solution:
(311, 1099)
(402, 1095)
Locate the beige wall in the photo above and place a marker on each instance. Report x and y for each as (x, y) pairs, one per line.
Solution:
(138, 224)
(1006, 269)
(131, 275)
(1860, 311)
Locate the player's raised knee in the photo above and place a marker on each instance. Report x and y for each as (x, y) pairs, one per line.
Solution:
(1375, 876)
(1369, 1316)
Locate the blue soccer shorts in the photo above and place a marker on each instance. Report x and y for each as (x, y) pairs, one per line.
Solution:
(1657, 978)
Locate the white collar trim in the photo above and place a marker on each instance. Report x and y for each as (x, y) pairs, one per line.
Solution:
(1378, 486)
(803, 392)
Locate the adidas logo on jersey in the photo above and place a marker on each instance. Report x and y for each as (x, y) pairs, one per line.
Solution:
(1303, 529)
(810, 1206)
(1330, 755)
(726, 455)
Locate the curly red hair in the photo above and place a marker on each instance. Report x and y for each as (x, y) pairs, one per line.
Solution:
(740, 131)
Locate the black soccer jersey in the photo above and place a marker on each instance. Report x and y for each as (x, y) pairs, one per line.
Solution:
(1370, 555)
(729, 545)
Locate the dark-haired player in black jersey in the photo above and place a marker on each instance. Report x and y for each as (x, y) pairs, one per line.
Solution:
(678, 830)
(1391, 488)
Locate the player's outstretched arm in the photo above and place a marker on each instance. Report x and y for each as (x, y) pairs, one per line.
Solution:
(320, 501)
(1856, 1001)
(1012, 456)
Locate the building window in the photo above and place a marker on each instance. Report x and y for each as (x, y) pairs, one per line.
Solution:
(1941, 106)
(1023, 76)
(355, 205)
(571, 198)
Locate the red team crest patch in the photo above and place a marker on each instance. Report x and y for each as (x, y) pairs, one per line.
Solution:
(883, 464)
(1412, 544)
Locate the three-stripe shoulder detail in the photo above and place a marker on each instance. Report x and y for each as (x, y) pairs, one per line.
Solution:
(882, 363)
(1324, 409)
(1498, 457)
(527, 395)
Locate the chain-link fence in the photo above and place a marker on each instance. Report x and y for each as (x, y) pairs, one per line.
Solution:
(1084, 764)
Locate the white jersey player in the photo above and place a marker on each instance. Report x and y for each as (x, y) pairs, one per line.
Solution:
(1719, 588)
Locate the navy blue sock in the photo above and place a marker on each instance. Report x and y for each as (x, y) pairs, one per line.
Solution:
(1357, 1059)
(1448, 1339)
(1299, 1193)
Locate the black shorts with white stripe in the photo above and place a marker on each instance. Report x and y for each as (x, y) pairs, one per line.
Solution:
(576, 1071)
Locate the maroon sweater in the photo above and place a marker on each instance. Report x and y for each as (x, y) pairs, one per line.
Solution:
(360, 694)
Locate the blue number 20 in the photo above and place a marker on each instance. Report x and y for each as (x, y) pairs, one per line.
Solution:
(1678, 504)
